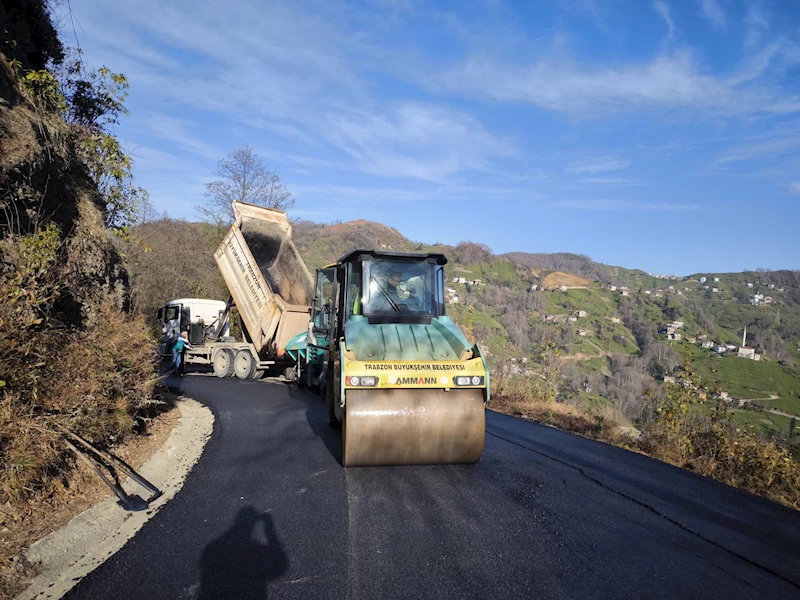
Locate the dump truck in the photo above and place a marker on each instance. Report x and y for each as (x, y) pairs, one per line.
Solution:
(269, 285)
(397, 374)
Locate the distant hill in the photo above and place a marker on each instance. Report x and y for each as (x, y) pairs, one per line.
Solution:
(322, 244)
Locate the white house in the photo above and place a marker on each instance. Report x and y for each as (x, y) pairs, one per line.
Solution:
(702, 280)
(772, 286)
(674, 336)
(625, 293)
(572, 319)
(731, 347)
(612, 288)
(563, 288)
(745, 352)
(767, 299)
(715, 290)
(581, 314)
(749, 285)
(707, 344)
(453, 300)
(677, 324)
(581, 333)
(720, 349)
(534, 287)
(615, 320)
(450, 290)
(716, 279)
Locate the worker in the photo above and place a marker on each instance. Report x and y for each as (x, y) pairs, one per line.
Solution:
(393, 282)
(181, 344)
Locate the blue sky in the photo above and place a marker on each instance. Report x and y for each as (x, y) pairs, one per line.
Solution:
(654, 134)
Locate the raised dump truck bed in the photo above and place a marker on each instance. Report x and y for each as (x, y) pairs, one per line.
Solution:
(266, 277)
(269, 285)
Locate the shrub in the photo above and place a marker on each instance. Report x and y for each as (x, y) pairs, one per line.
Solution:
(710, 444)
(97, 381)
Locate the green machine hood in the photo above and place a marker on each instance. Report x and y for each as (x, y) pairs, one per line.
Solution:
(441, 340)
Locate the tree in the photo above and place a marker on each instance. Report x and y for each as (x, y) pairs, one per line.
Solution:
(470, 253)
(243, 178)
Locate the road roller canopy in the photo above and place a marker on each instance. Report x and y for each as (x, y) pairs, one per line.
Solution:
(391, 287)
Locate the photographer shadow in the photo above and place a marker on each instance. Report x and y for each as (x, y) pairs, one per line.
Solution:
(239, 564)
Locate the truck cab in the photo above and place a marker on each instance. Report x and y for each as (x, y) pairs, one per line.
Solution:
(194, 315)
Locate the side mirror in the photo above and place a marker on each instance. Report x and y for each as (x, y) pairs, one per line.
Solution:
(160, 316)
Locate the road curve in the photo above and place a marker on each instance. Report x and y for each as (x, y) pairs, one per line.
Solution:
(268, 512)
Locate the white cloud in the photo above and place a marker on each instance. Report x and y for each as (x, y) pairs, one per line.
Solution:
(290, 72)
(415, 140)
(669, 81)
(606, 205)
(662, 8)
(770, 147)
(597, 165)
(794, 187)
(756, 24)
(177, 131)
(609, 181)
(714, 12)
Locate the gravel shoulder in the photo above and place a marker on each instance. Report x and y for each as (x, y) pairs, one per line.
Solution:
(69, 553)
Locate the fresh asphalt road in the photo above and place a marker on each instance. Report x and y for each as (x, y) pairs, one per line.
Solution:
(269, 512)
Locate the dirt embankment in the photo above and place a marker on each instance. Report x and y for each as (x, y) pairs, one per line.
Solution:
(71, 357)
(559, 278)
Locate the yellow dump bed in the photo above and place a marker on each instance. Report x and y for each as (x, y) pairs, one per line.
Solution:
(266, 276)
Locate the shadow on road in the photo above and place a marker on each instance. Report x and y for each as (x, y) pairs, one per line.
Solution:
(317, 417)
(239, 564)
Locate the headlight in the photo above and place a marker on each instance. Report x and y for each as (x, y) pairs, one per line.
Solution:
(467, 380)
(358, 381)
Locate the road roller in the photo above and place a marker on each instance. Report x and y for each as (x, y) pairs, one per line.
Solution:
(398, 376)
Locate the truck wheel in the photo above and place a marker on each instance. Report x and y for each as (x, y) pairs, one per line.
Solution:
(223, 362)
(244, 365)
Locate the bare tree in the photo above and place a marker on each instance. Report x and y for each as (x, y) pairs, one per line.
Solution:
(244, 178)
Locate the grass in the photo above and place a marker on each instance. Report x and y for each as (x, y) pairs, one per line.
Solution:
(748, 379)
(763, 421)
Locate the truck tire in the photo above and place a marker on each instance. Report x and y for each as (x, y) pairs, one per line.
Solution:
(223, 362)
(244, 365)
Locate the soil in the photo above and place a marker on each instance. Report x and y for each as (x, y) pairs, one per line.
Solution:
(22, 526)
(558, 278)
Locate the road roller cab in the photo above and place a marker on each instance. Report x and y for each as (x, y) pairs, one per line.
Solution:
(395, 371)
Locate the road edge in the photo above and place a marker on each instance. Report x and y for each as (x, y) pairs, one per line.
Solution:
(70, 553)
